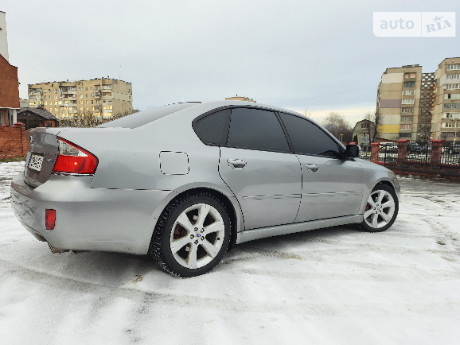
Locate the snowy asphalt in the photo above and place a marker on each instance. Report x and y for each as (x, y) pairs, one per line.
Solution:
(331, 286)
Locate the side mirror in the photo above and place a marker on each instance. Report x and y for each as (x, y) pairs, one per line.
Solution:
(352, 151)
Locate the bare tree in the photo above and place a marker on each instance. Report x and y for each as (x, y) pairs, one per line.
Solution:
(339, 127)
(87, 119)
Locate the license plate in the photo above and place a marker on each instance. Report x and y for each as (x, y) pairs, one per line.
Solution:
(36, 162)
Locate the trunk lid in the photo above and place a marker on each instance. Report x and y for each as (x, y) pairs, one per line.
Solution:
(41, 156)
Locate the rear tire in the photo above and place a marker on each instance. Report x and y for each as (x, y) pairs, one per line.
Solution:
(381, 209)
(192, 235)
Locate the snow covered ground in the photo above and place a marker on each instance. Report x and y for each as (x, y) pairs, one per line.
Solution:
(332, 286)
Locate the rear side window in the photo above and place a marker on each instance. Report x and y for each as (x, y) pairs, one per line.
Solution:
(308, 139)
(256, 129)
(211, 128)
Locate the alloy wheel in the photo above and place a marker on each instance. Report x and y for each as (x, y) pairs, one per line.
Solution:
(197, 236)
(380, 209)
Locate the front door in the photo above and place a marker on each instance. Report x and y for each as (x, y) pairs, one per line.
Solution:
(331, 185)
(331, 188)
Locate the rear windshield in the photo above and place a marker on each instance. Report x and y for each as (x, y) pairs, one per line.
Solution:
(147, 116)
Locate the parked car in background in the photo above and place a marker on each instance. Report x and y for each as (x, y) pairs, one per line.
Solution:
(425, 148)
(388, 147)
(185, 182)
(454, 147)
(414, 148)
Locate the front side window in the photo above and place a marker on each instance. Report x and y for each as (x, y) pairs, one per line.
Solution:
(256, 129)
(308, 139)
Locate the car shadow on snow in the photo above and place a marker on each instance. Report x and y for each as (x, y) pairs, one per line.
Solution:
(123, 270)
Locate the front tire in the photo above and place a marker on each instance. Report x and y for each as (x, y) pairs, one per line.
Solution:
(192, 235)
(381, 209)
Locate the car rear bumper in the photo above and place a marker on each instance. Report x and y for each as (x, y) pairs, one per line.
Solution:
(87, 218)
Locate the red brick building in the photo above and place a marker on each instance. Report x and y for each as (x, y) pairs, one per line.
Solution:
(9, 85)
(13, 138)
(9, 92)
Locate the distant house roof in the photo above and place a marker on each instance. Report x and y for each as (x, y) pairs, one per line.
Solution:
(39, 112)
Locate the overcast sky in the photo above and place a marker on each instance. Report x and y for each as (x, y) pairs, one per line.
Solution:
(319, 56)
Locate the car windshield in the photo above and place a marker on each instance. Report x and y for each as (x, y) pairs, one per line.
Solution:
(147, 116)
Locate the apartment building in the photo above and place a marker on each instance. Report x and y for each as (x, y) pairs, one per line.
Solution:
(446, 113)
(418, 106)
(398, 102)
(99, 97)
(240, 98)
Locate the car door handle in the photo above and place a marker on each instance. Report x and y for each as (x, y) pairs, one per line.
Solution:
(312, 167)
(236, 163)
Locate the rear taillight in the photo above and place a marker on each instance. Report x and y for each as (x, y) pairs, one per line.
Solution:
(72, 159)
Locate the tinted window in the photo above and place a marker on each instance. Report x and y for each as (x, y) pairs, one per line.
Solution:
(210, 129)
(144, 117)
(307, 138)
(257, 130)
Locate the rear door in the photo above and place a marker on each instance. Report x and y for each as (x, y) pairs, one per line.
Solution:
(257, 165)
(331, 186)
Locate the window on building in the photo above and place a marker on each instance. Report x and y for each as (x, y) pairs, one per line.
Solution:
(405, 135)
(447, 134)
(453, 67)
(408, 101)
(451, 105)
(406, 127)
(452, 96)
(86, 89)
(453, 76)
(364, 125)
(409, 84)
(408, 92)
(455, 86)
(410, 75)
(406, 118)
(450, 124)
(453, 116)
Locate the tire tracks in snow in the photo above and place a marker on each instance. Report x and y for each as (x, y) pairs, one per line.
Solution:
(104, 295)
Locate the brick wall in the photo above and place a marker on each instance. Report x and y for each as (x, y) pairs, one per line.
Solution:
(9, 86)
(13, 141)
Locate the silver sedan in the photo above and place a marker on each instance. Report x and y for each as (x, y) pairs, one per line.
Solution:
(185, 182)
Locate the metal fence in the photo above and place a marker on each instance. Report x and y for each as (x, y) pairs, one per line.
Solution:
(436, 158)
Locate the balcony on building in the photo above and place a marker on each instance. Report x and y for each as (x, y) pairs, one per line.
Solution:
(96, 94)
(409, 84)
